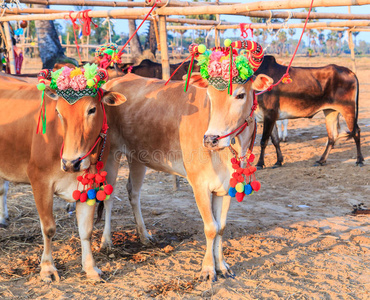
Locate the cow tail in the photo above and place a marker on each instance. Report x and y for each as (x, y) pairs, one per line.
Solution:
(355, 125)
(100, 212)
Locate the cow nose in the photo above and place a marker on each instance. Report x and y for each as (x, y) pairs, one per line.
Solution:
(76, 164)
(210, 141)
(64, 164)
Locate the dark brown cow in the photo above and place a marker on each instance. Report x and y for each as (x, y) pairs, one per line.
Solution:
(332, 89)
(27, 157)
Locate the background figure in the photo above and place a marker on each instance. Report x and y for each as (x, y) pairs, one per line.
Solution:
(282, 126)
(18, 57)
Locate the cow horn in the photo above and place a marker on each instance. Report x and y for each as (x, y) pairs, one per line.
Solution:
(100, 76)
(255, 52)
(43, 75)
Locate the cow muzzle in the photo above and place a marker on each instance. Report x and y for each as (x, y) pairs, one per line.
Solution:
(211, 141)
(71, 165)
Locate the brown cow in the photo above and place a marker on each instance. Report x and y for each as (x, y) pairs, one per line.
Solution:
(164, 129)
(332, 89)
(27, 157)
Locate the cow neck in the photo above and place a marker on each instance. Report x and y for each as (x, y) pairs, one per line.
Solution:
(102, 134)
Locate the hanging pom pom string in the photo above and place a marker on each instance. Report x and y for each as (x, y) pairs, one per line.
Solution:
(230, 87)
(174, 72)
(41, 123)
(195, 50)
(190, 70)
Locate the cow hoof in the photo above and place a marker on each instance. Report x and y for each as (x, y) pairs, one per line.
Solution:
(277, 165)
(3, 224)
(226, 271)
(319, 164)
(94, 274)
(208, 273)
(49, 274)
(259, 167)
(147, 239)
(360, 164)
(106, 245)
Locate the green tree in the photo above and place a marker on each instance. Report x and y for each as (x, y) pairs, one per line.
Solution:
(355, 34)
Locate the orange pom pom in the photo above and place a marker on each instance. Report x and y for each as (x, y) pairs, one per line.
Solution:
(235, 175)
(252, 169)
(233, 182)
(85, 181)
(235, 166)
(79, 178)
(103, 173)
(240, 178)
(251, 157)
(91, 176)
(246, 172)
(100, 195)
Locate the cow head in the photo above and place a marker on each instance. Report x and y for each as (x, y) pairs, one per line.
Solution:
(83, 120)
(230, 105)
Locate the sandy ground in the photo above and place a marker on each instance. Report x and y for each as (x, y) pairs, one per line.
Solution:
(295, 239)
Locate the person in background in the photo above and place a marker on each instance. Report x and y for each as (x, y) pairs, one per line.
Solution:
(18, 57)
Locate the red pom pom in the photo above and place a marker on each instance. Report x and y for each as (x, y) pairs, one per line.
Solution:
(108, 189)
(83, 197)
(233, 182)
(100, 195)
(98, 178)
(234, 161)
(235, 175)
(76, 195)
(240, 178)
(256, 185)
(91, 176)
(79, 178)
(235, 166)
(251, 157)
(99, 165)
(85, 181)
(240, 170)
(252, 169)
(103, 173)
(246, 172)
(239, 197)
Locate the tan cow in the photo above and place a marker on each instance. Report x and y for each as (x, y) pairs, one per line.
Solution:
(163, 128)
(27, 157)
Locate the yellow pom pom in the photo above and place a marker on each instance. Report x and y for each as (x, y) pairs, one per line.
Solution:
(90, 202)
(76, 72)
(239, 187)
(41, 86)
(90, 83)
(202, 48)
(227, 42)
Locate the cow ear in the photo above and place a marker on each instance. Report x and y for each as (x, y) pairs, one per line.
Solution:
(51, 93)
(262, 82)
(197, 80)
(113, 98)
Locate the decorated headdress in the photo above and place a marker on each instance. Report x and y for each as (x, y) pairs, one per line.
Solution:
(71, 84)
(223, 66)
(106, 54)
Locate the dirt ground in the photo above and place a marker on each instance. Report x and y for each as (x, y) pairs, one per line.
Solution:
(295, 239)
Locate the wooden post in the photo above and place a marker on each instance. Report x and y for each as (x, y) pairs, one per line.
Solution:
(10, 48)
(67, 45)
(164, 48)
(217, 33)
(351, 46)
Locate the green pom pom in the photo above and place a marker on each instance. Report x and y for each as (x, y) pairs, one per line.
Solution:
(41, 86)
(90, 82)
(202, 48)
(227, 42)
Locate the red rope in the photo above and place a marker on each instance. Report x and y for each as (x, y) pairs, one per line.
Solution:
(174, 72)
(75, 26)
(137, 29)
(286, 75)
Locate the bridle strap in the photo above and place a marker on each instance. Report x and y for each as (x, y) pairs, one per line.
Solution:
(247, 121)
(103, 131)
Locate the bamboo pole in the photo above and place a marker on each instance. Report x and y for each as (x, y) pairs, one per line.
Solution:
(351, 46)
(172, 3)
(10, 49)
(277, 25)
(164, 48)
(205, 9)
(17, 11)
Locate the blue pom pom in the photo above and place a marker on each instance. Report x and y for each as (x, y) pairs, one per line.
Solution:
(91, 194)
(232, 192)
(247, 189)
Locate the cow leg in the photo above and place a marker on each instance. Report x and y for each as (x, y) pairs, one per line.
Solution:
(285, 130)
(268, 125)
(4, 186)
(331, 121)
(112, 167)
(279, 125)
(134, 183)
(220, 207)
(276, 143)
(211, 229)
(44, 203)
(85, 219)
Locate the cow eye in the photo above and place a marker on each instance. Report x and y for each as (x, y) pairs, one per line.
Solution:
(91, 111)
(240, 96)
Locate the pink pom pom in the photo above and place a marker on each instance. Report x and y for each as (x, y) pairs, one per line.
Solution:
(216, 56)
(214, 69)
(78, 83)
(66, 71)
(225, 70)
(63, 82)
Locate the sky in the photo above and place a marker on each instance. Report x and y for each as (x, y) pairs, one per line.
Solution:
(122, 25)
